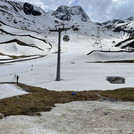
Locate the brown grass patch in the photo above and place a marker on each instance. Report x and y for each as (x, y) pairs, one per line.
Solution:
(124, 94)
(40, 100)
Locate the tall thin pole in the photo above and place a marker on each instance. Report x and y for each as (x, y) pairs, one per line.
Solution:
(58, 57)
(59, 30)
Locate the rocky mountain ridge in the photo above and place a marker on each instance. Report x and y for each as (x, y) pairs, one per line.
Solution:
(66, 13)
(119, 25)
(27, 16)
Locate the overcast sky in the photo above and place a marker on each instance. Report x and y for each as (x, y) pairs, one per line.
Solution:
(97, 10)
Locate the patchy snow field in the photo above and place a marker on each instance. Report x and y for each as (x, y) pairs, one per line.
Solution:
(10, 90)
(77, 73)
(91, 117)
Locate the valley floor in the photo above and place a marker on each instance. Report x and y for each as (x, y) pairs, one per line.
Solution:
(76, 73)
(79, 71)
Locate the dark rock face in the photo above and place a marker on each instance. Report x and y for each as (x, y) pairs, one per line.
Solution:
(123, 29)
(66, 16)
(109, 26)
(115, 80)
(130, 46)
(29, 9)
(75, 28)
(118, 21)
(36, 13)
(118, 29)
(130, 18)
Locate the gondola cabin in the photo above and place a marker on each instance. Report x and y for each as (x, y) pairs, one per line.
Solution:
(66, 38)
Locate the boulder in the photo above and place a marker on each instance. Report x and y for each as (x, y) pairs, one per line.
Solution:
(115, 79)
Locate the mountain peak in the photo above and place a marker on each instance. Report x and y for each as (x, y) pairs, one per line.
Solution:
(66, 13)
(130, 18)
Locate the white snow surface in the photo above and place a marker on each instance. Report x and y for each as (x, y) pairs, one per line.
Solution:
(77, 73)
(90, 117)
(108, 56)
(10, 90)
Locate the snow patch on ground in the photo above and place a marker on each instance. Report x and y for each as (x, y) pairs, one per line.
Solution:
(90, 117)
(10, 90)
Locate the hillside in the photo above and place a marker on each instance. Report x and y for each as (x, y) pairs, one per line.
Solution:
(25, 34)
(125, 27)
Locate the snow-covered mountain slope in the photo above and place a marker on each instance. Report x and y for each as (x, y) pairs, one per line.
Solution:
(24, 16)
(20, 44)
(24, 31)
(119, 25)
(75, 18)
(122, 26)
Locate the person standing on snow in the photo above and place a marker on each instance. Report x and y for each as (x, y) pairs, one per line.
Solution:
(17, 77)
